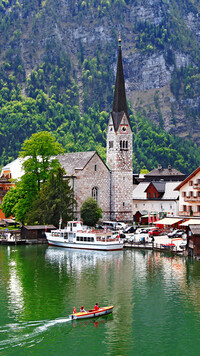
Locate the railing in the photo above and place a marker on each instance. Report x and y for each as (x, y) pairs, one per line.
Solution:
(192, 198)
(154, 246)
(188, 214)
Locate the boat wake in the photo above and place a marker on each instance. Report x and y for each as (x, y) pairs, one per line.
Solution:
(26, 333)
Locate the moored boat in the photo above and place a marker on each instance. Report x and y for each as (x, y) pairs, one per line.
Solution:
(78, 237)
(92, 313)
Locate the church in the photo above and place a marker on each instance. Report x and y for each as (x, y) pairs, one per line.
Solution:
(110, 183)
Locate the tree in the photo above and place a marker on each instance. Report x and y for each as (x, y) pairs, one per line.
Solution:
(90, 212)
(19, 200)
(9, 201)
(39, 151)
(55, 200)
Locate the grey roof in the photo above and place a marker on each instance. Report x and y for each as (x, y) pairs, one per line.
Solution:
(139, 191)
(195, 229)
(75, 160)
(169, 193)
(164, 172)
(39, 227)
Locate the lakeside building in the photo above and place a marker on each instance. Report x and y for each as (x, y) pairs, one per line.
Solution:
(189, 195)
(155, 197)
(154, 194)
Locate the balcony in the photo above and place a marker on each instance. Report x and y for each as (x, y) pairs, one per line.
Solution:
(192, 198)
(187, 213)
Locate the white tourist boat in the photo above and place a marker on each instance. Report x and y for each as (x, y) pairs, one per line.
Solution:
(75, 235)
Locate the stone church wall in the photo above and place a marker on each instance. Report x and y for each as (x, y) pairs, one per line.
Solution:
(95, 174)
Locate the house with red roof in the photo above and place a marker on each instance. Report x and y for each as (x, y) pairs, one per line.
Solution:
(189, 195)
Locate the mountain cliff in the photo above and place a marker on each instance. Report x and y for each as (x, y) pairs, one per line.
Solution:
(64, 52)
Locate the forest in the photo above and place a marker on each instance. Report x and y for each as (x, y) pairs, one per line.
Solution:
(72, 98)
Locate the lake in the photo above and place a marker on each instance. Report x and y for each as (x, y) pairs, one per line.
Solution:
(156, 299)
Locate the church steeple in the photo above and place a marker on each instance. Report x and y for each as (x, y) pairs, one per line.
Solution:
(119, 101)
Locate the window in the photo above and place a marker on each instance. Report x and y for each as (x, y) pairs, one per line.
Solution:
(198, 208)
(123, 203)
(191, 183)
(123, 145)
(183, 194)
(95, 167)
(184, 208)
(154, 195)
(191, 194)
(110, 144)
(149, 195)
(95, 194)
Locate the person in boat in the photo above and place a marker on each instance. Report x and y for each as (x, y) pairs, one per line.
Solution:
(74, 310)
(96, 307)
(82, 309)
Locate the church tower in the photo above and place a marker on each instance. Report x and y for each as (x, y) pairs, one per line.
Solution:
(119, 151)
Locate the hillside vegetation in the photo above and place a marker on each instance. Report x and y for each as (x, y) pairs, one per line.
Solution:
(57, 73)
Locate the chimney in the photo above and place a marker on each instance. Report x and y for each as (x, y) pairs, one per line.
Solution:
(169, 167)
(159, 167)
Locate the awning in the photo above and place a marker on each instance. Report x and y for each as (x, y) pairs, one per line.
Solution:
(191, 222)
(168, 221)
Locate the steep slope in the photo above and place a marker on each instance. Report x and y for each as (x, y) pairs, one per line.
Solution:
(58, 58)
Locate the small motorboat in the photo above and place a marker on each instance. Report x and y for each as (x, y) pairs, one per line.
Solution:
(92, 313)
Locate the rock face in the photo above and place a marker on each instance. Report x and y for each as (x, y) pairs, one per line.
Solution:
(148, 73)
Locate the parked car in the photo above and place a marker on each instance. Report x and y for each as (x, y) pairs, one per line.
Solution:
(155, 232)
(129, 230)
(176, 233)
(114, 225)
(183, 245)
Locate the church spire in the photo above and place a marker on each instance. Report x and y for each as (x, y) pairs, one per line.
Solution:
(119, 102)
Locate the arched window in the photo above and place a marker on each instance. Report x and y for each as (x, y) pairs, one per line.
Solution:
(95, 193)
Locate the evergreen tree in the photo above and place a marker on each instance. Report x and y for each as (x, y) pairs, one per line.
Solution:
(55, 200)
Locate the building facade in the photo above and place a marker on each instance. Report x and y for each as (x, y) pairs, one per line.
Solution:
(189, 195)
(156, 198)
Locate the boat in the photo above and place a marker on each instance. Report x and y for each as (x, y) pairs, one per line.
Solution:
(75, 235)
(92, 313)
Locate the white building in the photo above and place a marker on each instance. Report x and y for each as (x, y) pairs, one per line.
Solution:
(189, 195)
(156, 197)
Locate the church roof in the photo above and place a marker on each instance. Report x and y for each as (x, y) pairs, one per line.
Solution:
(119, 101)
(76, 160)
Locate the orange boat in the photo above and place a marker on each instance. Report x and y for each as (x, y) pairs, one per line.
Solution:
(92, 313)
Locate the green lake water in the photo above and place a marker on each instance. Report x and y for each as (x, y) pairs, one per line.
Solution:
(156, 299)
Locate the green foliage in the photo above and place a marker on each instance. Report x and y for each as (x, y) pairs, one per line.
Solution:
(71, 98)
(90, 212)
(152, 145)
(38, 152)
(55, 200)
(9, 201)
(38, 165)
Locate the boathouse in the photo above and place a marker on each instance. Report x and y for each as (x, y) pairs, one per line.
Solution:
(35, 233)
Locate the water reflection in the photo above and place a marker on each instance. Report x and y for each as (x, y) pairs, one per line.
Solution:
(153, 294)
(80, 259)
